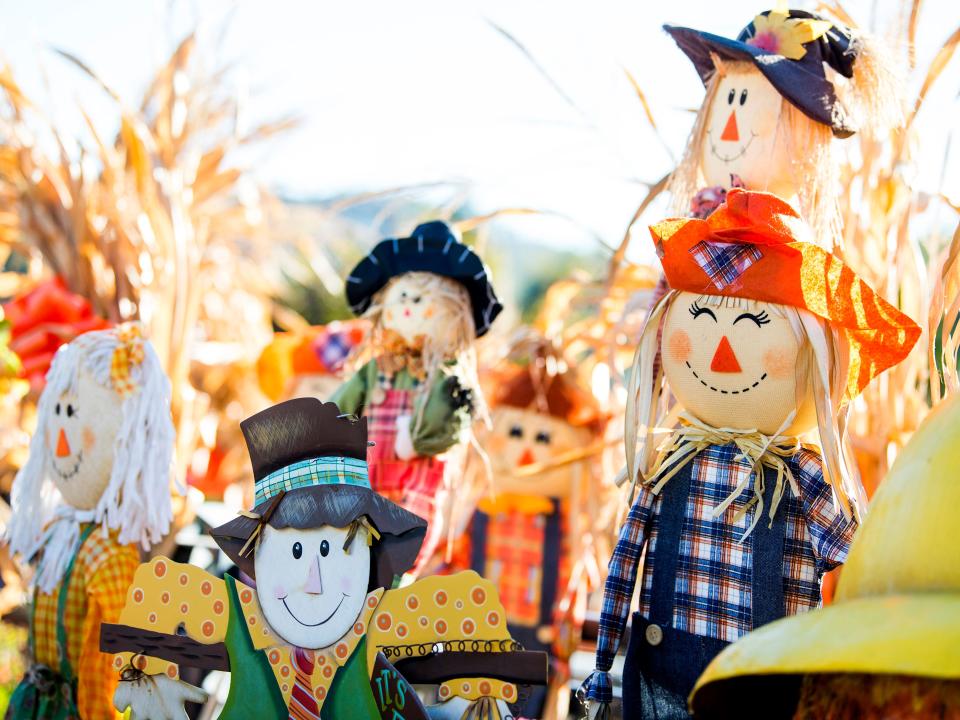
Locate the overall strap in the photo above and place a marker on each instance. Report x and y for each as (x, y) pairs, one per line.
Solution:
(550, 562)
(62, 644)
(478, 542)
(768, 541)
(670, 521)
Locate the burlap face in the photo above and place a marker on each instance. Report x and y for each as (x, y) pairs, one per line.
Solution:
(737, 363)
(744, 137)
(80, 434)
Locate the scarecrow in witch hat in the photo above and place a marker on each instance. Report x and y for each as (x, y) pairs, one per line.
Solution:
(94, 489)
(764, 337)
(315, 637)
(776, 98)
(428, 297)
(888, 646)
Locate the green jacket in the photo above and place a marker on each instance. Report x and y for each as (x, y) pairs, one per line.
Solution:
(444, 424)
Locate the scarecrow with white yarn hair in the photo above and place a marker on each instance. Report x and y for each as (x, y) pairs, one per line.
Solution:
(96, 486)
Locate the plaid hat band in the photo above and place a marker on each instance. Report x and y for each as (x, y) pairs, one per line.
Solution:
(315, 472)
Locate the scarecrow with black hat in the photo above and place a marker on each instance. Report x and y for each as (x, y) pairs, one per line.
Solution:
(776, 98)
(313, 639)
(428, 297)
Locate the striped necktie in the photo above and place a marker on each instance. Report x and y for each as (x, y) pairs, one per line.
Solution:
(303, 706)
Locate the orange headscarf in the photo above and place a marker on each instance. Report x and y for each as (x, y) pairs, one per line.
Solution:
(749, 248)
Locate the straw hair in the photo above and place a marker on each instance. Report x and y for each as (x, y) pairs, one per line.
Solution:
(822, 369)
(876, 95)
(136, 500)
(810, 146)
(436, 352)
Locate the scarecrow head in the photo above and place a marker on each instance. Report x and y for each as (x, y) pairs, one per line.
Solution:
(762, 332)
(539, 414)
(103, 448)
(427, 291)
(776, 95)
(318, 538)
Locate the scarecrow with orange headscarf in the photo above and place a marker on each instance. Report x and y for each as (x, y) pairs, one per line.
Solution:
(764, 337)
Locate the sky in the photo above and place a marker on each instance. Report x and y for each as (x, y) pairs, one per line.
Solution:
(406, 93)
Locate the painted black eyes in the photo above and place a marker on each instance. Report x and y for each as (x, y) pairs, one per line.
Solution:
(516, 431)
(404, 296)
(761, 319)
(543, 438)
(324, 548)
(697, 311)
(70, 410)
(732, 95)
(297, 551)
(57, 409)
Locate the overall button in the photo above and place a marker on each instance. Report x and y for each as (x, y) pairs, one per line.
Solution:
(654, 634)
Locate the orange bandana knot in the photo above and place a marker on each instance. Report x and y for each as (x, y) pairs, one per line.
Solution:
(129, 352)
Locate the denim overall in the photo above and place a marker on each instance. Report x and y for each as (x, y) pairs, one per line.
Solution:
(663, 663)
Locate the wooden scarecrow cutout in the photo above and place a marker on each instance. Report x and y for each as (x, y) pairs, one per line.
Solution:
(764, 337)
(428, 297)
(530, 538)
(887, 647)
(777, 96)
(316, 636)
(95, 487)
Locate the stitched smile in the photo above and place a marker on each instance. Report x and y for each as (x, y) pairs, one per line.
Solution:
(317, 624)
(68, 475)
(726, 392)
(735, 156)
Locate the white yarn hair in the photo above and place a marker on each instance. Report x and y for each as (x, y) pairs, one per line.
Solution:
(822, 366)
(136, 500)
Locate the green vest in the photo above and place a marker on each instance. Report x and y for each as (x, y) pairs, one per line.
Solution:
(253, 686)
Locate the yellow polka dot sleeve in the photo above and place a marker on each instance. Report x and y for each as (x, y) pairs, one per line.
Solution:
(444, 608)
(165, 595)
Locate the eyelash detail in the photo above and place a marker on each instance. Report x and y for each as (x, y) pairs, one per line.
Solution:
(697, 311)
(761, 319)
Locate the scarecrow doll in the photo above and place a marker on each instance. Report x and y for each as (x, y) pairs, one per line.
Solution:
(764, 337)
(531, 535)
(96, 486)
(777, 97)
(887, 648)
(315, 637)
(428, 298)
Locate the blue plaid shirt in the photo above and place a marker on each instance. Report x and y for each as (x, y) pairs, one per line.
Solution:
(713, 593)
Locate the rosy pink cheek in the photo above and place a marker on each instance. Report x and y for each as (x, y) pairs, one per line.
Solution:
(428, 313)
(89, 438)
(388, 315)
(345, 583)
(678, 345)
(279, 592)
(780, 363)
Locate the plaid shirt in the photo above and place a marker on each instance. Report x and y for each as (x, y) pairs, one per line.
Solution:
(102, 573)
(713, 593)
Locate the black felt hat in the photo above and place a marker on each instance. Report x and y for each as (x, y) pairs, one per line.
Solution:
(803, 82)
(310, 469)
(431, 248)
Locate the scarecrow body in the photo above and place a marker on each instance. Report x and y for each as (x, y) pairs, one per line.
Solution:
(350, 679)
(85, 558)
(887, 646)
(418, 391)
(315, 638)
(738, 525)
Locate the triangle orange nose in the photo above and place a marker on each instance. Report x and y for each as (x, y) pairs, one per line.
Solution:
(730, 131)
(63, 447)
(526, 458)
(724, 359)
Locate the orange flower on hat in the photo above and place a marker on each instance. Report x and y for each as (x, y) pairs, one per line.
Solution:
(750, 247)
